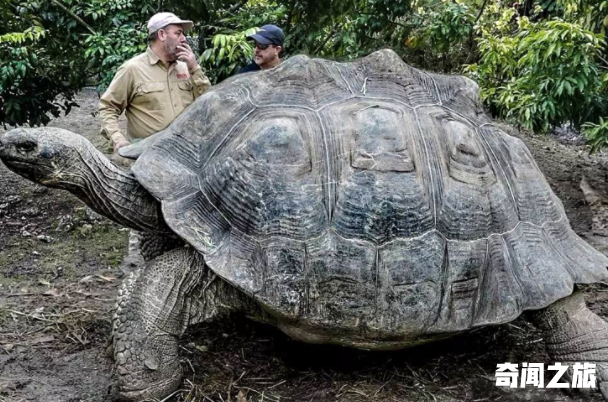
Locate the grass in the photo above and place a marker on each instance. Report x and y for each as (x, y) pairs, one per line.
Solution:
(97, 245)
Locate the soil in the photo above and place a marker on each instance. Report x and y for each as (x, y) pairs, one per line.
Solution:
(60, 267)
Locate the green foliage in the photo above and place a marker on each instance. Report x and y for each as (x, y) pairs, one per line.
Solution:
(228, 53)
(441, 36)
(226, 48)
(33, 68)
(540, 63)
(31, 34)
(590, 14)
(544, 75)
(452, 25)
(597, 134)
(49, 49)
(115, 31)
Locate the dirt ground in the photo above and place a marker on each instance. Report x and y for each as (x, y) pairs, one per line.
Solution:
(60, 267)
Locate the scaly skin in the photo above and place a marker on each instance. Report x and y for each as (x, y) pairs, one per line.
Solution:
(153, 245)
(61, 159)
(156, 303)
(148, 323)
(573, 333)
(154, 308)
(175, 289)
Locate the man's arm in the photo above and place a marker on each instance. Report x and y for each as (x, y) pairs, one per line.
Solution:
(111, 105)
(197, 77)
(200, 81)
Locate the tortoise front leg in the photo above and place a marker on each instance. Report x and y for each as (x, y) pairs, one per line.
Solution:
(573, 333)
(152, 245)
(149, 319)
(155, 305)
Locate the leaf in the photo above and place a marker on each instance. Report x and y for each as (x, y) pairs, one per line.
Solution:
(106, 278)
(241, 397)
(52, 292)
(251, 31)
(206, 54)
(8, 346)
(201, 348)
(86, 279)
(42, 339)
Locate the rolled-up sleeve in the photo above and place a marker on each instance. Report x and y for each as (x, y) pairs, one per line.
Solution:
(113, 102)
(200, 82)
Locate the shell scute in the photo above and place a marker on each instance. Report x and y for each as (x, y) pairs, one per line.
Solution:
(369, 197)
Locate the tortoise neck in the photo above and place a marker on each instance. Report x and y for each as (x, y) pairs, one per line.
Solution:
(114, 193)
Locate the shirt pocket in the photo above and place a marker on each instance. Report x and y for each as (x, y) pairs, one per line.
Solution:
(151, 95)
(186, 92)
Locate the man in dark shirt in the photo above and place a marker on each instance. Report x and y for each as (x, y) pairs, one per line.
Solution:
(268, 45)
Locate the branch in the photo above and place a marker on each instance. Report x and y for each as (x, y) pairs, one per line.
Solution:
(236, 6)
(322, 45)
(483, 6)
(400, 24)
(77, 18)
(289, 17)
(481, 10)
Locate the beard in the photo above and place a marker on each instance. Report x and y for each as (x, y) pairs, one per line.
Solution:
(171, 47)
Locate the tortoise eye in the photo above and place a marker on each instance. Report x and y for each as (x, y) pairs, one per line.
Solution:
(26, 146)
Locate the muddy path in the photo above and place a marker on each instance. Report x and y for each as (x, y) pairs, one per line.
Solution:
(60, 267)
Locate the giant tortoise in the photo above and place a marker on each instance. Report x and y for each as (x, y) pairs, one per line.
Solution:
(366, 204)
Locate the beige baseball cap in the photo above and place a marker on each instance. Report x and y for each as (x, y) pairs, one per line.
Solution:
(161, 20)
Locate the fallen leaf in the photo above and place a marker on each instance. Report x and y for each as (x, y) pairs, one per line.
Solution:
(8, 346)
(241, 397)
(52, 292)
(86, 279)
(106, 278)
(88, 294)
(201, 348)
(42, 339)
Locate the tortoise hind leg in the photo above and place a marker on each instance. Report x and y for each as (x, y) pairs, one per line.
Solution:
(573, 333)
(155, 305)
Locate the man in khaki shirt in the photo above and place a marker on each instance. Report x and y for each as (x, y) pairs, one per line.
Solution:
(153, 88)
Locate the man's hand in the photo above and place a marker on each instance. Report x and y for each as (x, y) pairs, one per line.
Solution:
(116, 158)
(119, 144)
(186, 55)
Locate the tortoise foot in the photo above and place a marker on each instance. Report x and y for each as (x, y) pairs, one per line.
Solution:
(147, 368)
(573, 333)
(582, 382)
(153, 392)
(602, 378)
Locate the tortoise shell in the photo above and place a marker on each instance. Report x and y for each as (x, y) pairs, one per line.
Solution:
(367, 195)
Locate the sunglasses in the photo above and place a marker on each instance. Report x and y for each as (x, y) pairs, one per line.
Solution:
(261, 46)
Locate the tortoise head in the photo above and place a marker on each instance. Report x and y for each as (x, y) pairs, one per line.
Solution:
(49, 156)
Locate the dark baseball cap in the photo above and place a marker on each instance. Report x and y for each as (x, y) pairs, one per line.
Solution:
(269, 35)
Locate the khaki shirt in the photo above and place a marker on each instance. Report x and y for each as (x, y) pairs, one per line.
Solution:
(151, 94)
